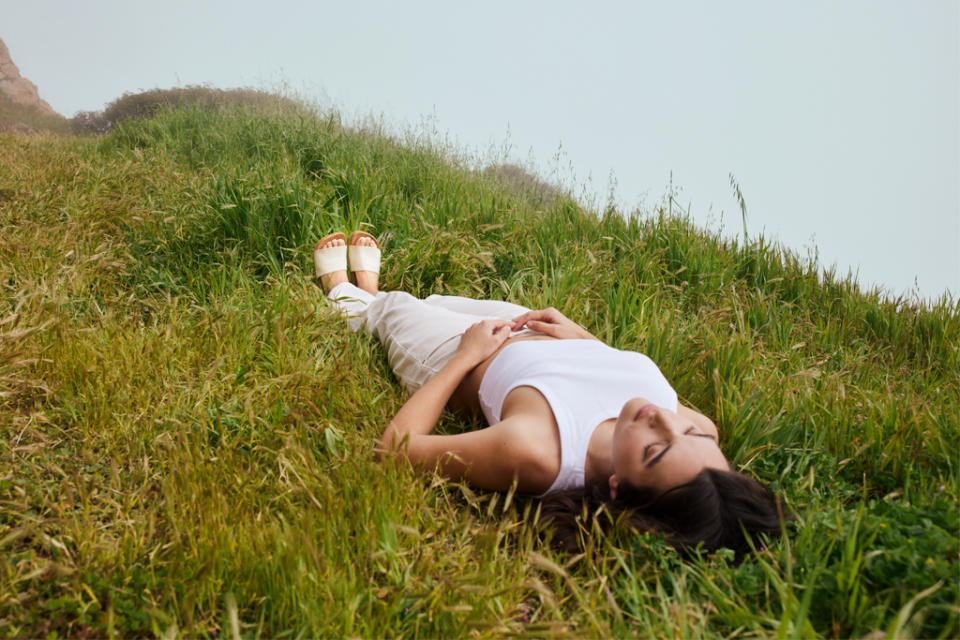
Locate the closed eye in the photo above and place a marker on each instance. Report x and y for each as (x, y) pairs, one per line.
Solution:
(692, 431)
(649, 448)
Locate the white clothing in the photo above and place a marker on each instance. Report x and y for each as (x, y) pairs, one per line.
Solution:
(585, 382)
(420, 336)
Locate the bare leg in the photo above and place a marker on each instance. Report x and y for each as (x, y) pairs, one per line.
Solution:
(334, 278)
(367, 280)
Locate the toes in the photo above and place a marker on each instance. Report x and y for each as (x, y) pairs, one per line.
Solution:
(366, 241)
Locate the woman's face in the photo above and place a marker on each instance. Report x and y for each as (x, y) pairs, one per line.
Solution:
(657, 448)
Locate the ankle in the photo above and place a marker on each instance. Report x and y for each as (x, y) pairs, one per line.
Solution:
(331, 280)
(368, 281)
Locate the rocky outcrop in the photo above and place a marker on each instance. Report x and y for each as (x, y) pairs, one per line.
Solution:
(17, 88)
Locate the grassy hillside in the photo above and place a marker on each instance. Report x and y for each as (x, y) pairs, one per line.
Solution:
(188, 428)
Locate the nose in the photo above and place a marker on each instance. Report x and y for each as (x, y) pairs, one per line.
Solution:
(658, 421)
(654, 417)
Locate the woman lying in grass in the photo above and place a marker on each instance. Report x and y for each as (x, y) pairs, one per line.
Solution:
(570, 419)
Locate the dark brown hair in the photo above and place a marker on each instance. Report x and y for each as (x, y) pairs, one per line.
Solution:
(716, 509)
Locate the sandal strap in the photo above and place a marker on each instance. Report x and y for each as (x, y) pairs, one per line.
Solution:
(363, 258)
(329, 259)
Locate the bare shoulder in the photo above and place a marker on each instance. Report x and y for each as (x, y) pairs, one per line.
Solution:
(704, 423)
(535, 445)
(533, 423)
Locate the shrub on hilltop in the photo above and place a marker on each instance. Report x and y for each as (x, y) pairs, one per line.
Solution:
(146, 104)
(520, 180)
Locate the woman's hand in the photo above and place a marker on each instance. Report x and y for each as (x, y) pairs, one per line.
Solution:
(552, 323)
(482, 339)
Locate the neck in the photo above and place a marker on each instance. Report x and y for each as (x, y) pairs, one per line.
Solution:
(599, 464)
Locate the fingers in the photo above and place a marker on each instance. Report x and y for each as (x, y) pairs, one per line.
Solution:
(495, 326)
(521, 320)
(499, 328)
(548, 315)
(484, 338)
(543, 327)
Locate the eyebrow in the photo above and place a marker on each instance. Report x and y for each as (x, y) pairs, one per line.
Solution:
(660, 455)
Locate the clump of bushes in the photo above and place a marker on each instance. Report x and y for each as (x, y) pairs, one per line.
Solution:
(520, 180)
(86, 122)
(147, 104)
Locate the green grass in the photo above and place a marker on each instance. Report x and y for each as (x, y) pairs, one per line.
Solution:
(188, 428)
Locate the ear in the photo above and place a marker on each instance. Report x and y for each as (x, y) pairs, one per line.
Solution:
(614, 485)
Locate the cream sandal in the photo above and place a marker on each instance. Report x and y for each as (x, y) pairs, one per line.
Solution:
(363, 258)
(327, 260)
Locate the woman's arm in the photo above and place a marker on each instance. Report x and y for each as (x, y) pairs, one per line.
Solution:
(552, 323)
(419, 415)
(492, 457)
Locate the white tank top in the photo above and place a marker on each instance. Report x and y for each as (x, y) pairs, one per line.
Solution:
(584, 381)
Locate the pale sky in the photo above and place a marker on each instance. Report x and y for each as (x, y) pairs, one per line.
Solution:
(840, 120)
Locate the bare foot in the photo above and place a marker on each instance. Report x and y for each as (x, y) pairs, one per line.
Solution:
(333, 278)
(369, 281)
